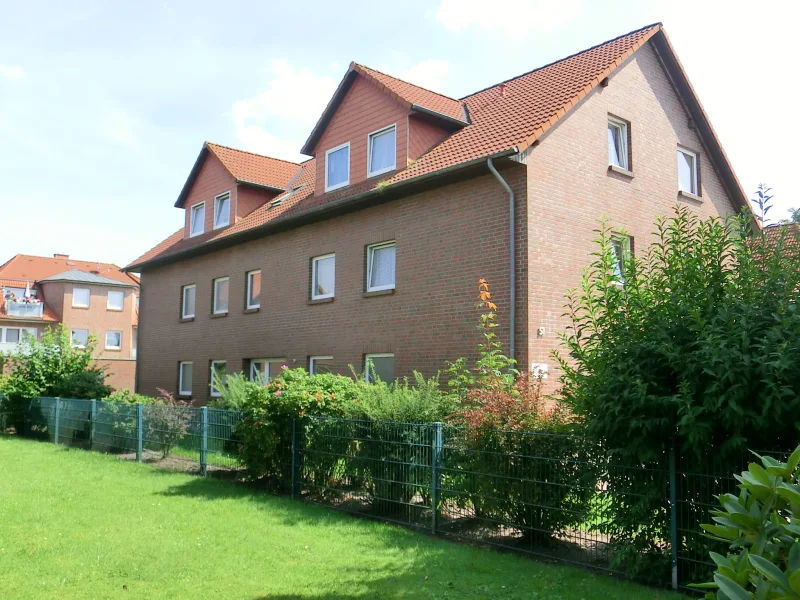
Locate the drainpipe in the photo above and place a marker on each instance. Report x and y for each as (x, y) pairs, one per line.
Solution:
(513, 258)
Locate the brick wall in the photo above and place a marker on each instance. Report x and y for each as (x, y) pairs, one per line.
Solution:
(120, 373)
(447, 238)
(570, 187)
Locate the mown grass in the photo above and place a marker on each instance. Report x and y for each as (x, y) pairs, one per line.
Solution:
(77, 524)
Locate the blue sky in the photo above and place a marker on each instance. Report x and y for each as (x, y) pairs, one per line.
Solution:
(104, 105)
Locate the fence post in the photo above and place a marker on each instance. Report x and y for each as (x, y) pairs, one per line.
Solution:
(673, 514)
(295, 459)
(203, 440)
(139, 431)
(58, 418)
(436, 466)
(92, 419)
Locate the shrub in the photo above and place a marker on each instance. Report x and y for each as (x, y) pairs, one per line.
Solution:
(128, 397)
(700, 347)
(233, 389)
(762, 528)
(167, 422)
(268, 412)
(83, 385)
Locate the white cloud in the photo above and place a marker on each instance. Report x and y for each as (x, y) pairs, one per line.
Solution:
(294, 99)
(119, 127)
(513, 19)
(428, 74)
(12, 72)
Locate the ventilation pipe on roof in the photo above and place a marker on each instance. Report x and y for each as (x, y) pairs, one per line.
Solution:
(513, 259)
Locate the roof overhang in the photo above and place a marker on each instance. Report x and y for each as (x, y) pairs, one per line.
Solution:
(374, 196)
(187, 187)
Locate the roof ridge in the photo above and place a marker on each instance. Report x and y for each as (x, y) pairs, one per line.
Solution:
(555, 62)
(409, 83)
(99, 262)
(253, 153)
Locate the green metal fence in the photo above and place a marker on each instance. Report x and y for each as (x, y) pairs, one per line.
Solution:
(554, 496)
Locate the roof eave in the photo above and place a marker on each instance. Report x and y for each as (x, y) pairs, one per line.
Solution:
(312, 214)
(187, 187)
(441, 116)
(262, 186)
(330, 108)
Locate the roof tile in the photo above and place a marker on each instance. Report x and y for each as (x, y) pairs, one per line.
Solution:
(255, 168)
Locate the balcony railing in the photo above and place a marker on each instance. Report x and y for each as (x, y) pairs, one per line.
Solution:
(24, 309)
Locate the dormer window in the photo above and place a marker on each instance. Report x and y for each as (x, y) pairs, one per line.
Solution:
(197, 221)
(382, 151)
(337, 167)
(222, 210)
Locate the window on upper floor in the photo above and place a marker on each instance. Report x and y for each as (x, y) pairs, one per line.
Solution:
(185, 378)
(220, 304)
(379, 366)
(380, 266)
(218, 376)
(197, 219)
(254, 289)
(337, 167)
(222, 210)
(188, 293)
(323, 277)
(618, 151)
(116, 300)
(113, 340)
(80, 297)
(382, 151)
(622, 246)
(687, 171)
(80, 337)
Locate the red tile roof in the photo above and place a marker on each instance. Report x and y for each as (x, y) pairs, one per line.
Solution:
(34, 268)
(255, 168)
(505, 118)
(414, 95)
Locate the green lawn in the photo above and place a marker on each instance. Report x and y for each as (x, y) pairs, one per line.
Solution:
(77, 524)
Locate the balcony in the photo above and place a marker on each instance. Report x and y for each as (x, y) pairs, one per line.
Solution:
(25, 310)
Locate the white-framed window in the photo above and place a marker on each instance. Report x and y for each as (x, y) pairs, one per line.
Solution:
(80, 337)
(12, 335)
(254, 289)
(80, 297)
(621, 245)
(618, 143)
(113, 340)
(380, 365)
(221, 286)
(320, 364)
(323, 277)
(265, 369)
(188, 295)
(217, 376)
(185, 378)
(337, 167)
(382, 151)
(380, 266)
(687, 171)
(222, 210)
(116, 300)
(197, 219)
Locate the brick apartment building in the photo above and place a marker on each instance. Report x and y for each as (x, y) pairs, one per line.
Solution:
(372, 248)
(90, 298)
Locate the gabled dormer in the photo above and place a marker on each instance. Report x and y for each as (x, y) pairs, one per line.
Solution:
(226, 185)
(376, 125)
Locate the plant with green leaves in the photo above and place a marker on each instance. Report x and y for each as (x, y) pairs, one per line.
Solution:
(762, 528)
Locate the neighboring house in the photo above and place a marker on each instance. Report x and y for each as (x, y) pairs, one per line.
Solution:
(372, 249)
(90, 298)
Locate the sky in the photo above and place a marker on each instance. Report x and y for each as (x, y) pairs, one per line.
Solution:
(104, 105)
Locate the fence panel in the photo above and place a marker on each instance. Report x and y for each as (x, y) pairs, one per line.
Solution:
(378, 469)
(74, 424)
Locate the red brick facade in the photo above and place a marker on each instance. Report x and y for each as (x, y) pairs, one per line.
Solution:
(449, 231)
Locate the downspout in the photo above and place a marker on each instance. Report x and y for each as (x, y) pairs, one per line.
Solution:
(512, 259)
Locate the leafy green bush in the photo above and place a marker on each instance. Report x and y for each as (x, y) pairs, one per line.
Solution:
(233, 389)
(699, 347)
(128, 397)
(167, 422)
(83, 385)
(268, 412)
(762, 528)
